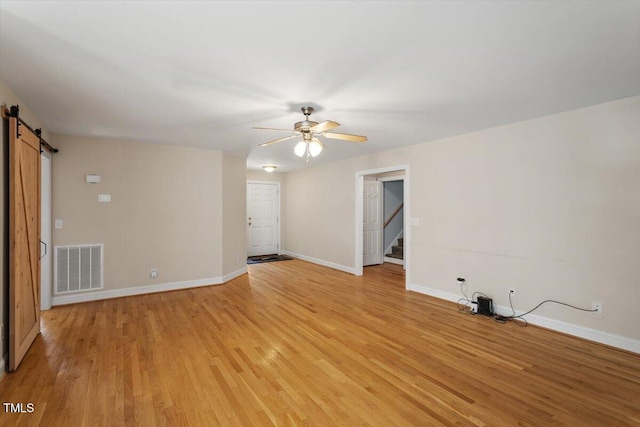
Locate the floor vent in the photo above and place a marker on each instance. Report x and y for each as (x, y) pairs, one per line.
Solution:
(78, 268)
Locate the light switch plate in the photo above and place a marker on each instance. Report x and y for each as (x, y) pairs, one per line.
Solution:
(104, 198)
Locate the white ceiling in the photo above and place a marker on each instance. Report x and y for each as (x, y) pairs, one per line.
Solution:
(202, 74)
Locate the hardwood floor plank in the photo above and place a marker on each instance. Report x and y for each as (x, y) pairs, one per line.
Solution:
(294, 343)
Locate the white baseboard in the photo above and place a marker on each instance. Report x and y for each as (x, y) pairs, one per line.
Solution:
(234, 274)
(322, 262)
(394, 260)
(433, 292)
(135, 290)
(601, 337)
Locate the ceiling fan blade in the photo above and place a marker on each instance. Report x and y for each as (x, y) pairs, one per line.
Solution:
(283, 130)
(277, 140)
(345, 136)
(326, 125)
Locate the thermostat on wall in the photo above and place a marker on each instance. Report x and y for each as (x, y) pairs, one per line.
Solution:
(93, 179)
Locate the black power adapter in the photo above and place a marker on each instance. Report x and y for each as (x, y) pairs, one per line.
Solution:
(485, 306)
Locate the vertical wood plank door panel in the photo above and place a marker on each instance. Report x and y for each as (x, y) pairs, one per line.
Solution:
(24, 232)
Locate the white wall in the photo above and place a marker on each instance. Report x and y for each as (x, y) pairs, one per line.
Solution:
(234, 208)
(166, 211)
(260, 175)
(320, 210)
(549, 206)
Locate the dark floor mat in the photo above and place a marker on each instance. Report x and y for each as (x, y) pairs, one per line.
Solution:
(267, 258)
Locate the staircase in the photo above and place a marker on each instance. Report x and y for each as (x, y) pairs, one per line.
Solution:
(397, 251)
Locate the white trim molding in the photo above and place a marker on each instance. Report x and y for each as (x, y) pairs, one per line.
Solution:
(134, 290)
(322, 262)
(595, 335)
(234, 274)
(391, 178)
(393, 260)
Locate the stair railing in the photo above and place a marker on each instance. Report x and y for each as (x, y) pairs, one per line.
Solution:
(393, 215)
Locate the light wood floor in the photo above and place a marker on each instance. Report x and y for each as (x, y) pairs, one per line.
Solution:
(294, 343)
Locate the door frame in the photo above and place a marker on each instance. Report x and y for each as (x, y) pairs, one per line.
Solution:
(359, 202)
(46, 260)
(277, 183)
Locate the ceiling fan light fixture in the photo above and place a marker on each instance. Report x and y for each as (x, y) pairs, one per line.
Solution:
(311, 146)
(269, 168)
(301, 148)
(315, 147)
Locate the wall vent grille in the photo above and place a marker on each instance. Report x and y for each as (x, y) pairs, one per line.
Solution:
(78, 268)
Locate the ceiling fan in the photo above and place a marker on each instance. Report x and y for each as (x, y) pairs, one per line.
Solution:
(310, 131)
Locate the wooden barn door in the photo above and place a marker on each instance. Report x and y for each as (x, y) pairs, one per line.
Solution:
(24, 235)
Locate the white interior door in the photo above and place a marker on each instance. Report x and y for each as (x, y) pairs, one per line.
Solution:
(372, 223)
(263, 225)
(46, 254)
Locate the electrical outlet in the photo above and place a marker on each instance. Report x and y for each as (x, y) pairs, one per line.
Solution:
(597, 306)
(154, 272)
(512, 291)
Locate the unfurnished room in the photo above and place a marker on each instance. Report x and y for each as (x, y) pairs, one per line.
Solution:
(324, 213)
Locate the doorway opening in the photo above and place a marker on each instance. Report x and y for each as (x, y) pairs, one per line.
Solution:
(364, 196)
(46, 246)
(393, 215)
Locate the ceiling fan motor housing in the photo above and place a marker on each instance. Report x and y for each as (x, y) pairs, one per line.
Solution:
(306, 124)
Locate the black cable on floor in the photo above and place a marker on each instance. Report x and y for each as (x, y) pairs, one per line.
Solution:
(520, 321)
